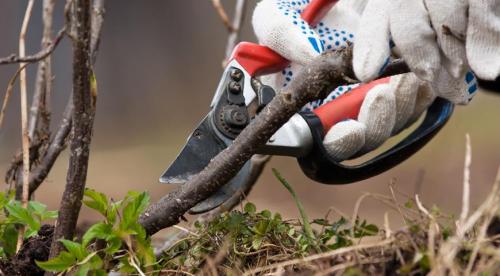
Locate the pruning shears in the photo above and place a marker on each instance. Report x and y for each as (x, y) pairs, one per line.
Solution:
(240, 96)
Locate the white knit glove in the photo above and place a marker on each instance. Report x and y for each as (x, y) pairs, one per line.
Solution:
(388, 107)
(438, 39)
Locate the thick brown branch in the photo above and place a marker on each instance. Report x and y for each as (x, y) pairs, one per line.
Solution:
(313, 82)
(81, 130)
(38, 56)
(258, 162)
(59, 140)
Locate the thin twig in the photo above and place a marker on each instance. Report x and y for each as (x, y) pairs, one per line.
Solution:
(24, 116)
(38, 56)
(319, 256)
(466, 184)
(356, 211)
(57, 145)
(40, 106)
(387, 227)
(98, 12)
(450, 248)
(222, 14)
(480, 239)
(27, 60)
(8, 92)
(234, 34)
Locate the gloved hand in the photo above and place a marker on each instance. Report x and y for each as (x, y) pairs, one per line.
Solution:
(438, 39)
(390, 105)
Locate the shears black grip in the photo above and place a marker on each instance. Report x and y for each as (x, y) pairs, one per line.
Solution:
(320, 167)
(491, 86)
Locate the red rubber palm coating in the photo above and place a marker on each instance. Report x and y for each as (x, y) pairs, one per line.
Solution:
(346, 106)
(316, 10)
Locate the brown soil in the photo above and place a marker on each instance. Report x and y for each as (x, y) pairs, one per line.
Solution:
(36, 248)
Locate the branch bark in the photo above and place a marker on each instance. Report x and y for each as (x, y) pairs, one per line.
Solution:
(81, 130)
(98, 12)
(39, 123)
(58, 142)
(313, 82)
(258, 162)
(57, 145)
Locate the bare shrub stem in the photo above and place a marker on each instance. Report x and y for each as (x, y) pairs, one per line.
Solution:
(81, 131)
(24, 115)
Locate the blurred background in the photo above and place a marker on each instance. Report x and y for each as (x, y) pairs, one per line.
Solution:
(158, 66)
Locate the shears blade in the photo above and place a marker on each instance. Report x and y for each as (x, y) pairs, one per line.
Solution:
(202, 145)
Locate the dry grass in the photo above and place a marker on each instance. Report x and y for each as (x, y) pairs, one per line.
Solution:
(431, 243)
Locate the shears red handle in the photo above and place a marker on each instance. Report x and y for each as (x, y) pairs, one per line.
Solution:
(260, 60)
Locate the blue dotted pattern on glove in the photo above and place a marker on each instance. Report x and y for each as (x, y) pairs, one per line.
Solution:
(341, 90)
(292, 10)
(471, 81)
(330, 39)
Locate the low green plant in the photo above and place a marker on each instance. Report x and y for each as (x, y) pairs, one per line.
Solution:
(118, 242)
(248, 237)
(13, 216)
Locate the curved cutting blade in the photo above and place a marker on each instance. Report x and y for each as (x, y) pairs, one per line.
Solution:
(224, 193)
(202, 145)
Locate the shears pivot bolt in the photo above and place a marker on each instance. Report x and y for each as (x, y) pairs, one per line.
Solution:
(236, 74)
(234, 87)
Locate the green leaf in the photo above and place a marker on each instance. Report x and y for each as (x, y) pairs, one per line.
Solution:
(266, 213)
(250, 208)
(100, 272)
(113, 211)
(98, 202)
(97, 231)
(371, 229)
(95, 262)
(49, 215)
(322, 222)
(58, 264)
(37, 207)
(409, 204)
(257, 242)
(114, 244)
(261, 227)
(29, 232)
(134, 208)
(76, 249)
(83, 270)
(18, 214)
(9, 239)
(336, 226)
